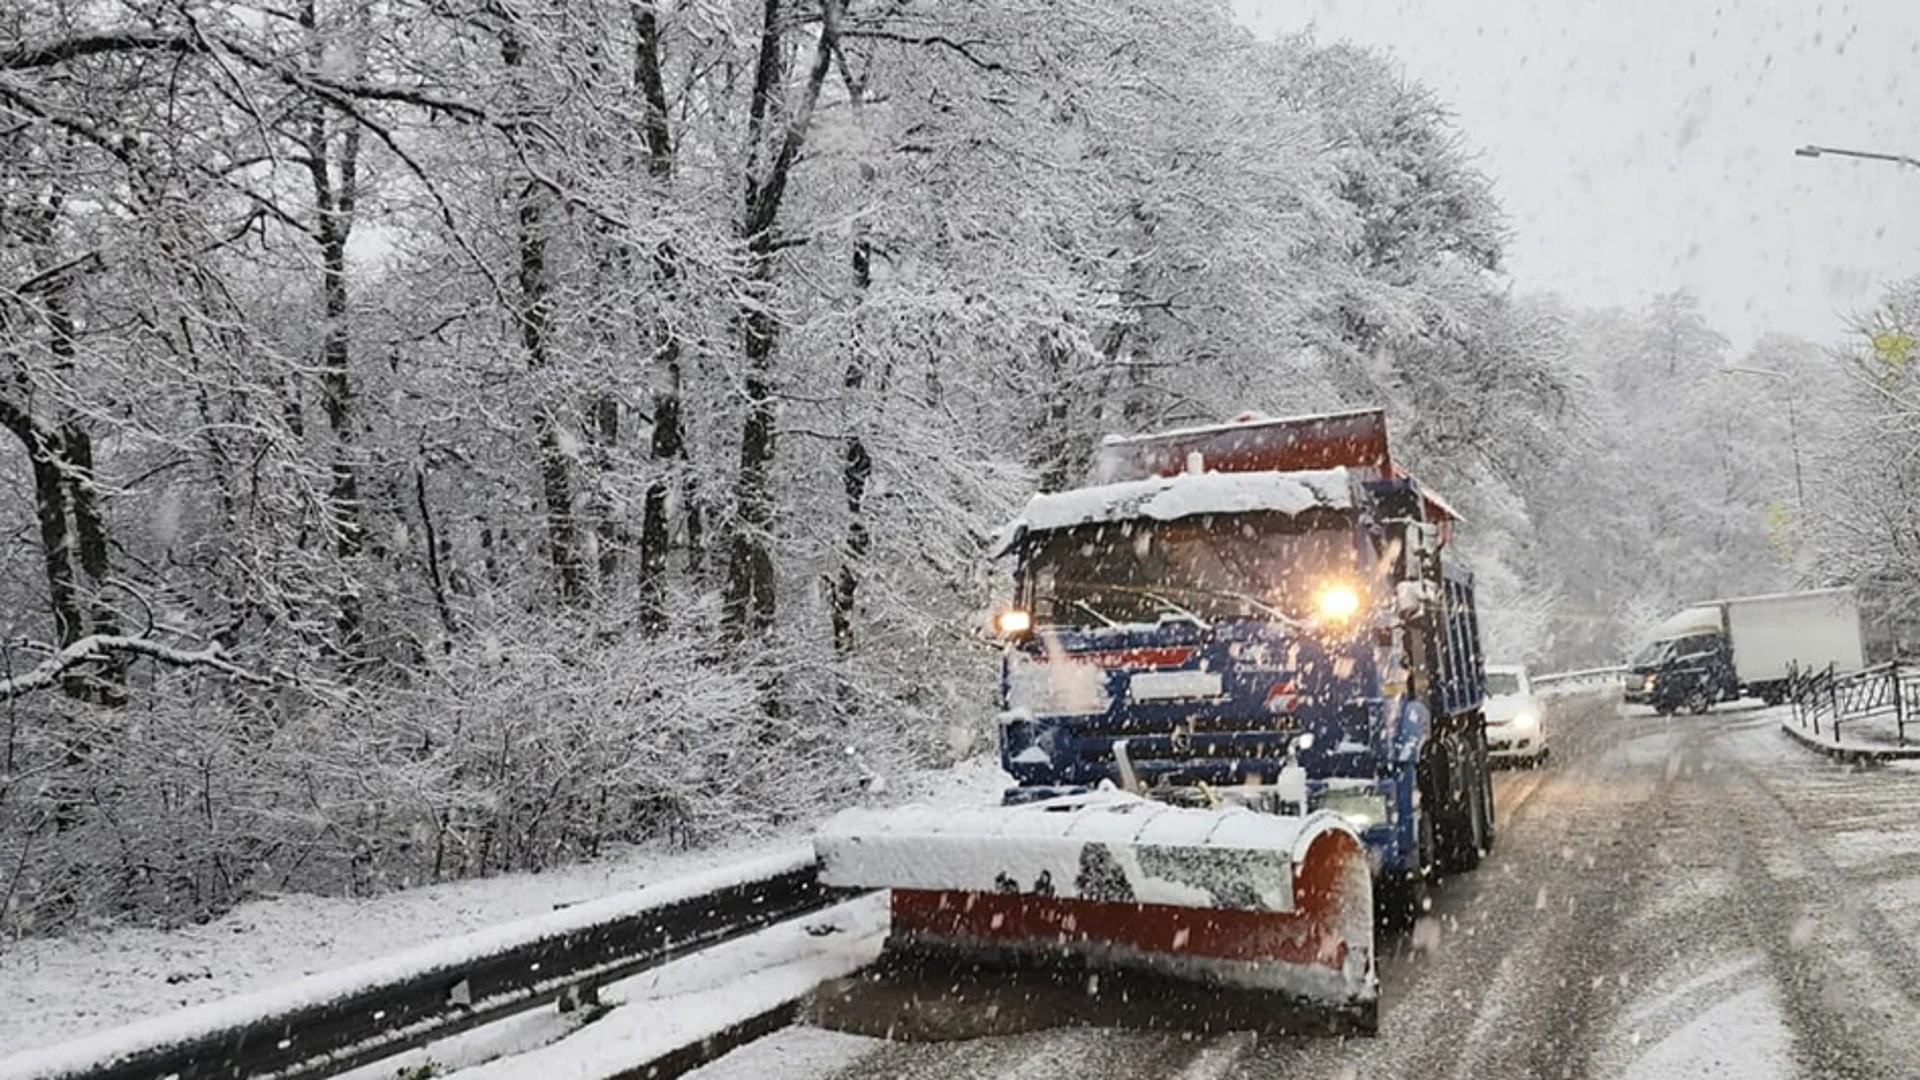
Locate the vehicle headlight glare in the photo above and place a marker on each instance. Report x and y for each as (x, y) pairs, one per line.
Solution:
(1013, 623)
(1336, 602)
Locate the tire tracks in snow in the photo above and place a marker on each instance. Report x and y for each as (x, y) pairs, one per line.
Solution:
(1515, 975)
(1556, 994)
(1849, 980)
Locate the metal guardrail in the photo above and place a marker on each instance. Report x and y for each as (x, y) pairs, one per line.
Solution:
(335, 1021)
(1587, 678)
(1855, 696)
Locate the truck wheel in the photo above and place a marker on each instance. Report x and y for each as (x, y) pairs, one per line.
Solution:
(1699, 701)
(1365, 1020)
(1400, 897)
(1488, 828)
(1464, 827)
(1469, 833)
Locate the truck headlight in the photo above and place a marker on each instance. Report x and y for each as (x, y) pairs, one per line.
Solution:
(1362, 809)
(1336, 603)
(1526, 720)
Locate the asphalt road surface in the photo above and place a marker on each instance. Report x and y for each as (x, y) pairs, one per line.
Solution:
(1684, 897)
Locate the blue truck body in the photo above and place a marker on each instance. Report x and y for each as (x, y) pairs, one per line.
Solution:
(1210, 708)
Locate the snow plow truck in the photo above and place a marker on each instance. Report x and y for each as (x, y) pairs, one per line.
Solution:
(1241, 688)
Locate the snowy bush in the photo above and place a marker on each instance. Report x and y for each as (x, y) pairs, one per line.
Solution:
(505, 757)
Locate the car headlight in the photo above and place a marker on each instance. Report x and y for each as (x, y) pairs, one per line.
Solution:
(1526, 720)
(1362, 809)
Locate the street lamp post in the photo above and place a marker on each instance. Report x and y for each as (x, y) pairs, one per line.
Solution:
(1793, 427)
(1811, 151)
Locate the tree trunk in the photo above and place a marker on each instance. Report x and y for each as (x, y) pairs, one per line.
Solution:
(1056, 463)
(669, 443)
(535, 318)
(556, 475)
(669, 453)
(430, 542)
(334, 192)
(748, 600)
(856, 463)
(50, 507)
(63, 478)
(108, 686)
(856, 470)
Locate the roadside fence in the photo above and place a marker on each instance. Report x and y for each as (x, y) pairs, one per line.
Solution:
(1850, 698)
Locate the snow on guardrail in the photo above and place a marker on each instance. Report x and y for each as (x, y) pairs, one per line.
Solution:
(335, 1020)
(1585, 681)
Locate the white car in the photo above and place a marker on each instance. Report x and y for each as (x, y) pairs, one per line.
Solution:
(1516, 719)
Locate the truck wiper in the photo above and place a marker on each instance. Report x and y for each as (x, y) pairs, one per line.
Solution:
(1095, 612)
(1262, 606)
(1177, 609)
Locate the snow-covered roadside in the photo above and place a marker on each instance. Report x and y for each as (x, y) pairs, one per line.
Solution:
(1854, 744)
(61, 989)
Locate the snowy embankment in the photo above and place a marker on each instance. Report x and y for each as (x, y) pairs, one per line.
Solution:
(1877, 739)
(62, 989)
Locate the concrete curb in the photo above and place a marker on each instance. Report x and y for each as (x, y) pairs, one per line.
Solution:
(1850, 752)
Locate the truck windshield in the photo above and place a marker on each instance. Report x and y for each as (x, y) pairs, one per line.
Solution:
(1653, 655)
(1213, 567)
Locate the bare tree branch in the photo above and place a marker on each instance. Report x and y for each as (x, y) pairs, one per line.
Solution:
(964, 48)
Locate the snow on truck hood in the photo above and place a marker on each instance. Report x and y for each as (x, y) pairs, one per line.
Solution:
(1170, 498)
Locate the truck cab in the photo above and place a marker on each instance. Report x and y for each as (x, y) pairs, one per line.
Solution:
(1690, 671)
(1744, 647)
(1256, 614)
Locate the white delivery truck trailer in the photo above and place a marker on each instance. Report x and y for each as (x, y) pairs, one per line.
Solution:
(1744, 647)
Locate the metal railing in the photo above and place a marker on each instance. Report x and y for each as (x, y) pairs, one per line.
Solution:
(1564, 682)
(335, 1021)
(1852, 697)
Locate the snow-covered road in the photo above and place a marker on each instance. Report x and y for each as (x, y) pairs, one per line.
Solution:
(1693, 897)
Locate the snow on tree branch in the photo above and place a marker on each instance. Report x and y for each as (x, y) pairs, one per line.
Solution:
(52, 53)
(97, 647)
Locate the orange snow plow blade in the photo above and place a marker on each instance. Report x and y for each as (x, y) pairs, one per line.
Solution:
(1153, 901)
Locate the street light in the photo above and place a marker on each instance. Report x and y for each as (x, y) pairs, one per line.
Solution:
(1793, 426)
(1818, 151)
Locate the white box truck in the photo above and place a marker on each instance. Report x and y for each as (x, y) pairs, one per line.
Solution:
(1744, 647)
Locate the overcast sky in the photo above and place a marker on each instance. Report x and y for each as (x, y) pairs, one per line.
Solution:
(1642, 145)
